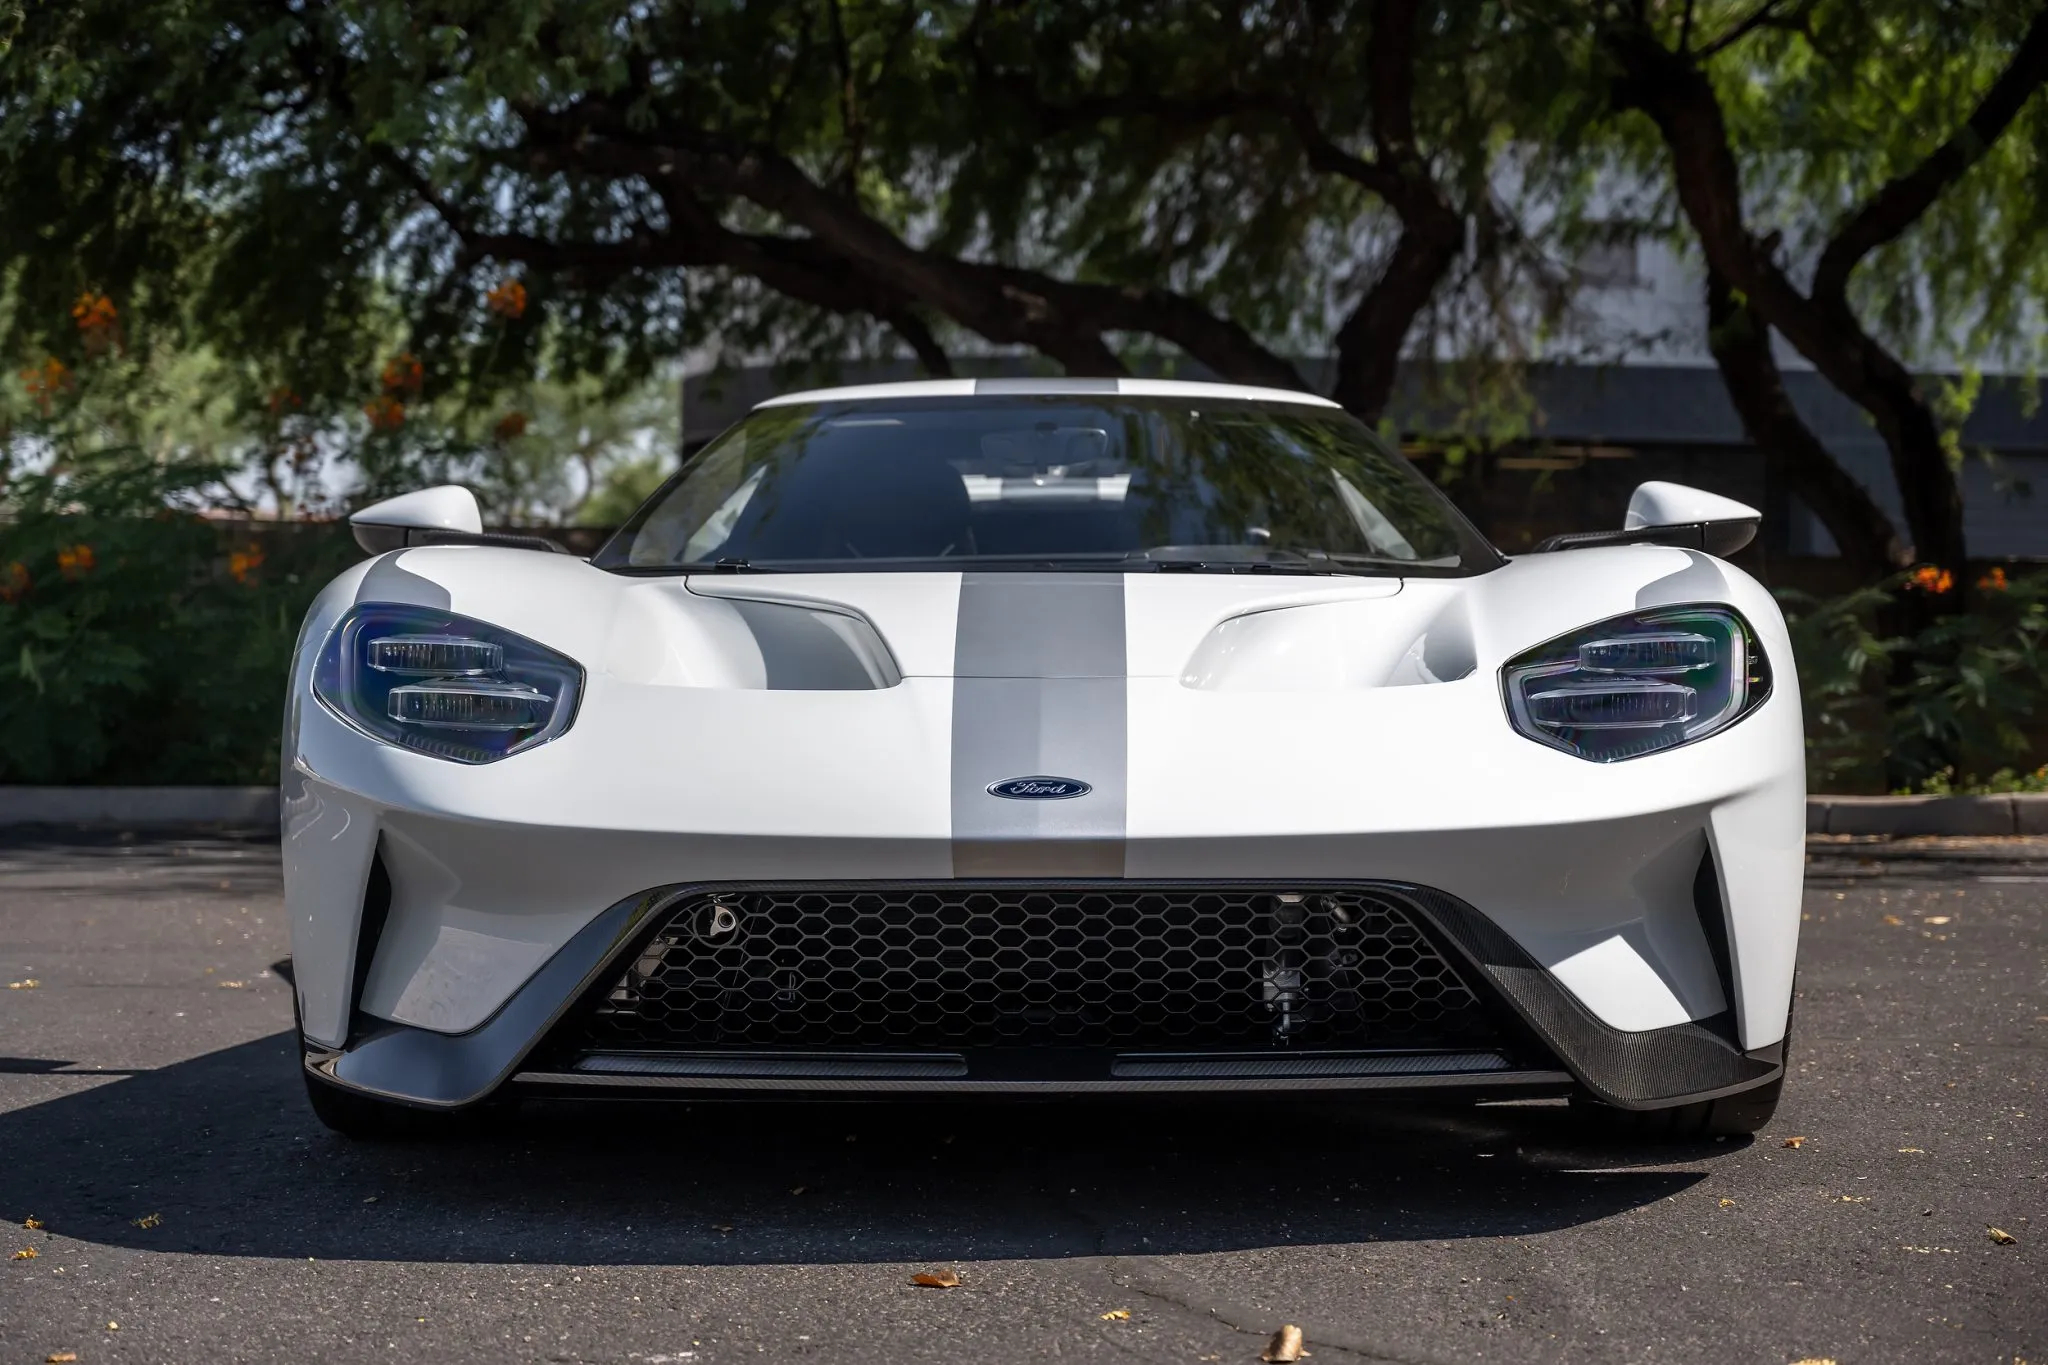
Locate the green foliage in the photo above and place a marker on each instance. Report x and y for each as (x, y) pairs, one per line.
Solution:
(2005, 780)
(1828, 101)
(360, 175)
(136, 643)
(1969, 706)
(1847, 95)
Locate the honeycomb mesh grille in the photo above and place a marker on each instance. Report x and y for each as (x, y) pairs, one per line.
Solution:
(958, 967)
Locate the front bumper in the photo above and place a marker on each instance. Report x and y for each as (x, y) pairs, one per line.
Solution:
(1544, 1040)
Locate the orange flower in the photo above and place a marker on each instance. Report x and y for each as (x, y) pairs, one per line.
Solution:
(385, 413)
(404, 375)
(14, 582)
(45, 381)
(99, 322)
(75, 561)
(507, 299)
(94, 310)
(1995, 581)
(1928, 578)
(243, 564)
(511, 426)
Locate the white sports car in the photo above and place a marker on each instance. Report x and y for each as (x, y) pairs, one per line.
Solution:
(1046, 736)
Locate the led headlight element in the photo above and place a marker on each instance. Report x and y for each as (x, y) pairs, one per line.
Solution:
(1638, 684)
(444, 684)
(435, 656)
(466, 704)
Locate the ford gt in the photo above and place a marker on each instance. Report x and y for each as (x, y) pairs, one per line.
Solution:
(1045, 737)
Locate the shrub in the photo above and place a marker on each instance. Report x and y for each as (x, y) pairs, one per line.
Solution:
(1959, 705)
(139, 643)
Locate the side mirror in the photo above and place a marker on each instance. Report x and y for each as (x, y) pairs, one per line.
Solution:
(449, 511)
(1673, 514)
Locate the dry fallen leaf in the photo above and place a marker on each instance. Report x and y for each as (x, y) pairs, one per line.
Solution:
(798, 1189)
(1727, 1203)
(1893, 919)
(721, 1227)
(2002, 1237)
(27, 1254)
(149, 1220)
(61, 1357)
(1793, 1142)
(1916, 1151)
(936, 1279)
(231, 985)
(31, 1222)
(1816, 1360)
(27, 985)
(1935, 919)
(1117, 1315)
(1285, 1346)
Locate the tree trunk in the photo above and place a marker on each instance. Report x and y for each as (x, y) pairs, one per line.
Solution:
(1674, 91)
(1741, 345)
(1370, 342)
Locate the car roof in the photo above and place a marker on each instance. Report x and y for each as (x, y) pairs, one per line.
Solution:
(1049, 387)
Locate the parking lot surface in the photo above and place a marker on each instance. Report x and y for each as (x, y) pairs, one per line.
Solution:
(191, 1209)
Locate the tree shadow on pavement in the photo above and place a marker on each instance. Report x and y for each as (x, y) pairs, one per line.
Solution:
(225, 1151)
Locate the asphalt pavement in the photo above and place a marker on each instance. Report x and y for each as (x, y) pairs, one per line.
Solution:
(187, 1207)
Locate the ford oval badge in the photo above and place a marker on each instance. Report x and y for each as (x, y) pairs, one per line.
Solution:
(1039, 788)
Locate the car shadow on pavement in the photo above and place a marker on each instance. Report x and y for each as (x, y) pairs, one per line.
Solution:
(225, 1155)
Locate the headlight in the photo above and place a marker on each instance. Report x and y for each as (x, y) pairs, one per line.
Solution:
(1638, 684)
(443, 684)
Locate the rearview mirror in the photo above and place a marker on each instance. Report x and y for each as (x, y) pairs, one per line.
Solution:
(1673, 514)
(418, 518)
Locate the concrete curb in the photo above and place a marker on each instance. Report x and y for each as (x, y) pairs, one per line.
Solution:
(1902, 816)
(256, 808)
(140, 807)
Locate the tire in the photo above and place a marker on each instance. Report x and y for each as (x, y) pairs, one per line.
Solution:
(366, 1118)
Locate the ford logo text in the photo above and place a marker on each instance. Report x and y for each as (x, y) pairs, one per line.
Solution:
(1039, 788)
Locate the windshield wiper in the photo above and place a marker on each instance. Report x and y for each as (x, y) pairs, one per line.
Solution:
(1227, 566)
(1275, 561)
(672, 570)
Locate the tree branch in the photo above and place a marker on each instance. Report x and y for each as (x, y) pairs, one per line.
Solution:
(1755, 20)
(1325, 157)
(1887, 215)
(849, 100)
(1005, 304)
(908, 325)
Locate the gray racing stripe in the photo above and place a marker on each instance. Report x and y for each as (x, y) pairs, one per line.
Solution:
(1039, 691)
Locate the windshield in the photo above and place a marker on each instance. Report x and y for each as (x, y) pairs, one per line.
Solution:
(1164, 483)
